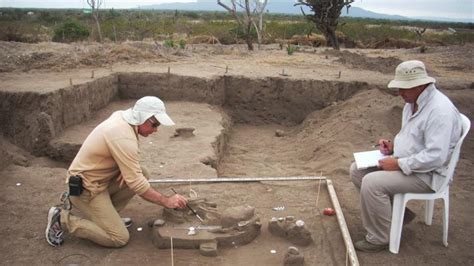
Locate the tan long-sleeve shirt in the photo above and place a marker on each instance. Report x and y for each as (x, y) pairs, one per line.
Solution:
(109, 151)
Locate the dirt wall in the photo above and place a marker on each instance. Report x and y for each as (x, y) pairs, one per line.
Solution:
(30, 120)
(248, 100)
(283, 101)
(170, 87)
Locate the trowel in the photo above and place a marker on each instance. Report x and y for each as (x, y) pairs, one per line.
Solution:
(191, 209)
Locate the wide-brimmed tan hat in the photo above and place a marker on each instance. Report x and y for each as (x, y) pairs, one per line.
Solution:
(145, 108)
(410, 74)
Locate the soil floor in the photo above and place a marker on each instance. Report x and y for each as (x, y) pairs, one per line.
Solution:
(321, 145)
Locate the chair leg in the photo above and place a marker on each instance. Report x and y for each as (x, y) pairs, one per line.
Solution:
(429, 207)
(445, 219)
(398, 211)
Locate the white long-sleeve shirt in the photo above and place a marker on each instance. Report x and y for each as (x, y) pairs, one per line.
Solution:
(427, 138)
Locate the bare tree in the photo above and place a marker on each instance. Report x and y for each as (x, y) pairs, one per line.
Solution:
(326, 16)
(244, 20)
(259, 10)
(95, 6)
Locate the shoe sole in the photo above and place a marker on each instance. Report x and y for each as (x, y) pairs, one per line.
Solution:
(50, 218)
(127, 224)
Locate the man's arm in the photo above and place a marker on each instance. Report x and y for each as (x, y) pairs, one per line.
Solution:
(175, 201)
(437, 137)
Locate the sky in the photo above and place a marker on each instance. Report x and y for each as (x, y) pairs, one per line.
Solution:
(458, 9)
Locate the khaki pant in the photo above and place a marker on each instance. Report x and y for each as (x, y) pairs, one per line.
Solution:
(103, 225)
(377, 188)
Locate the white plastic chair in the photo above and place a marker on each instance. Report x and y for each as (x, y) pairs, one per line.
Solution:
(400, 200)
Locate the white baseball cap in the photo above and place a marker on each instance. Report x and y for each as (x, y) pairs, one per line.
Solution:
(410, 74)
(145, 108)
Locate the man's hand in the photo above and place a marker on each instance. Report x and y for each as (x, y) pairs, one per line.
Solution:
(175, 201)
(389, 164)
(386, 146)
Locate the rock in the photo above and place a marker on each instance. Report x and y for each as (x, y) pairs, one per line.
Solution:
(295, 231)
(293, 257)
(208, 249)
(233, 215)
(159, 222)
(280, 133)
(185, 132)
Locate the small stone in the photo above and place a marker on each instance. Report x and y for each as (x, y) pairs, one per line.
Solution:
(184, 132)
(300, 223)
(159, 222)
(243, 223)
(208, 249)
(280, 133)
(293, 257)
(192, 231)
(293, 250)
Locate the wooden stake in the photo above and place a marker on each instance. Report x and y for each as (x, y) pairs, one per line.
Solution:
(92, 74)
(339, 75)
(172, 257)
(70, 81)
(342, 225)
(226, 69)
(169, 70)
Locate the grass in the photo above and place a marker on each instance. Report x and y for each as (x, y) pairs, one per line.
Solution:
(122, 25)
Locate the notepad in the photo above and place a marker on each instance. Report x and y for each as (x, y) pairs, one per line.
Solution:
(366, 159)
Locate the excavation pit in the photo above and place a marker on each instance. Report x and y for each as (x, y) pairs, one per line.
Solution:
(221, 111)
(236, 120)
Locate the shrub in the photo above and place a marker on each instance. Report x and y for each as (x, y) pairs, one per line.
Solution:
(182, 44)
(169, 43)
(70, 31)
(290, 49)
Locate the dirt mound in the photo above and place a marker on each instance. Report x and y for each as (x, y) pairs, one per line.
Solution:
(57, 56)
(380, 64)
(326, 136)
(391, 43)
(12, 154)
(315, 40)
(203, 39)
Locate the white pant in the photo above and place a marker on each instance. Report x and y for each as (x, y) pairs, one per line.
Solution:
(377, 188)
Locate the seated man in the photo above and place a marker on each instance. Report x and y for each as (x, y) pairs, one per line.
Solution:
(420, 153)
(108, 165)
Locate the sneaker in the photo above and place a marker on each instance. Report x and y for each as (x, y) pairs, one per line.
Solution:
(127, 222)
(66, 201)
(54, 232)
(366, 246)
(408, 217)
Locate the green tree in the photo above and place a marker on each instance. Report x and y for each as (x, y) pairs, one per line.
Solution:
(70, 31)
(325, 16)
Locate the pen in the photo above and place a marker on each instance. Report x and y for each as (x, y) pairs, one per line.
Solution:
(378, 144)
(193, 211)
